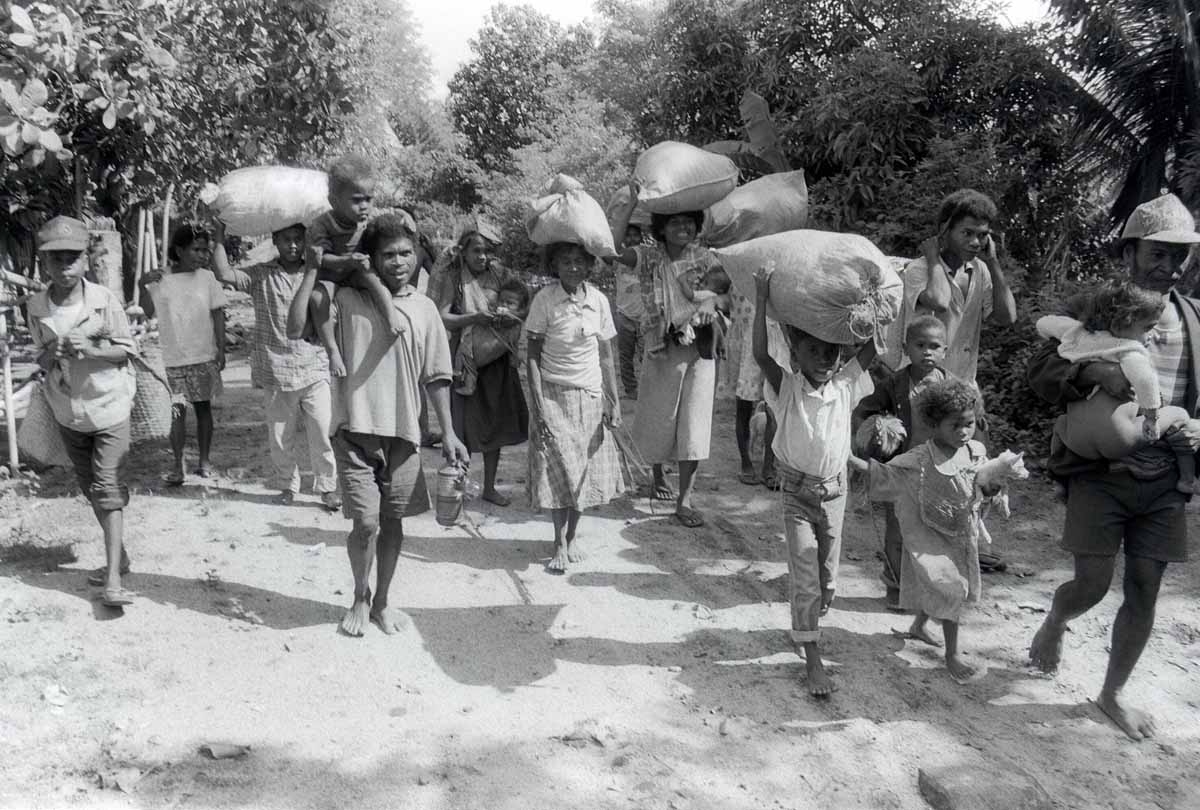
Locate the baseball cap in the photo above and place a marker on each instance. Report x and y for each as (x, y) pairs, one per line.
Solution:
(63, 233)
(1165, 219)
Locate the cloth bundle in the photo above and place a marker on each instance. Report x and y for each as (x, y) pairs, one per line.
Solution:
(567, 213)
(264, 199)
(675, 177)
(771, 204)
(838, 287)
(879, 437)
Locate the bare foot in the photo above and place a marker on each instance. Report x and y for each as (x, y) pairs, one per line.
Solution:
(960, 671)
(574, 553)
(918, 632)
(389, 619)
(1046, 650)
(1137, 724)
(1188, 487)
(820, 685)
(357, 616)
(560, 559)
(492, 496)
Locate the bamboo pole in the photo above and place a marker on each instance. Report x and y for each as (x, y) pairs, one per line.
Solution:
(141, 256)
(166, 224)
(10, 415)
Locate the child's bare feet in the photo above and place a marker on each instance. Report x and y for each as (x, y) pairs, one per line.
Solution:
(1046, 650)
(494, 496)
(574, 553)
(357, 616)
(559, 561)
(919, 631)
(337, 368)
(960, 671)
(389, 619)
(1137, 724)
(820, 685)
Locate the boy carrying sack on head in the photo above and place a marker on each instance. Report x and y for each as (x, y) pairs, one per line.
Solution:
(812, 447)
(333, 252)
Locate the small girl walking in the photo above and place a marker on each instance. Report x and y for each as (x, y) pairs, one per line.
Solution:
(189, 304)
(937, 505)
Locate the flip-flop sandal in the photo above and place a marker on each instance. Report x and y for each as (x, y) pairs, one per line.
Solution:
(750, 479)
(100, 575)
(173, 479)
(116, 597)
(654, 494)
(689, 517)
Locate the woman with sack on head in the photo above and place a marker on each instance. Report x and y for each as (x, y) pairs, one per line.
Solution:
(573, 459)
(675, 395)
(486, 401)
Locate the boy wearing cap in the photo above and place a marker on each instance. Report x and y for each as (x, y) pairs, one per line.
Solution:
(85, 344)
(1131, 503)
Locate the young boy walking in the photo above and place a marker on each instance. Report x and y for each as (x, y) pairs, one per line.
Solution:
(812, 447)
(85, 346)
(294, 374)
(377, 433)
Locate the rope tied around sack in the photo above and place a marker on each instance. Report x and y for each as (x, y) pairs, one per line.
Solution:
(867, 317)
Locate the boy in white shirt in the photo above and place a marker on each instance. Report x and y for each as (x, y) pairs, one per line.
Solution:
(812, 446)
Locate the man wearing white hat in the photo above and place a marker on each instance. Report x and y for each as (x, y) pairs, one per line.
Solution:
(1131, 502)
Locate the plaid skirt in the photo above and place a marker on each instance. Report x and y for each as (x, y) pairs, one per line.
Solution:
(199, 382)
(580, 467)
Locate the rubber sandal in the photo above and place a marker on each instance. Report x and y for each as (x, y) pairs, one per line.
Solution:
(689, 517)
(99, 576)
(116, 597)
(173, 479)
(750, 479)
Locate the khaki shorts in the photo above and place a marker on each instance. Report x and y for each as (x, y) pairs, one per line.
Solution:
(380, 476)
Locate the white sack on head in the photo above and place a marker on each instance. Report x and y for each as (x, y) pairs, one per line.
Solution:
(567, 213)
(771, 204)
(838, 287)
(675, 177)
(264, 199)
(620, 199)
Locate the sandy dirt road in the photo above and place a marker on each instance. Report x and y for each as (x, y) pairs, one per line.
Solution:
(656, 674)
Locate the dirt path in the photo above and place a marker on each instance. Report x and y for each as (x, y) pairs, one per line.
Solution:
(657, 674)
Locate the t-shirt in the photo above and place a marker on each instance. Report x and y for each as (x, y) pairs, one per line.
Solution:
(970, 304)
(381, 392)
(1169, 353)
(183, 303)
(813, 433)
(573, 326)
(327, 235)
(276, 361)
(63, 318)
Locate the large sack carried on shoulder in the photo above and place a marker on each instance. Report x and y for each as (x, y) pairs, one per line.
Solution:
(567, 213)
(836, 286)
(771, 204)
(265, 199)
(38, 438)
(675, 177)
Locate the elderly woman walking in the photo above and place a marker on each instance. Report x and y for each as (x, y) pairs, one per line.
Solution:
(675, 394)
(486, 401)
(573, 459)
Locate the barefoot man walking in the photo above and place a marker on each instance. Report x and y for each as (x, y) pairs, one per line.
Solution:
(377, 405)
(1133, 500)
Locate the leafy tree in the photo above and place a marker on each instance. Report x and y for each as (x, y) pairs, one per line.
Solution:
(1141, 63)
(496, 96)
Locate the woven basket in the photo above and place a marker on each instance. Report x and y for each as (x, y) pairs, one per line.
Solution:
(38, 437)
(150, 417)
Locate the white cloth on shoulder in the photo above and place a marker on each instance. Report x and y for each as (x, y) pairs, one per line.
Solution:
(1077, 344)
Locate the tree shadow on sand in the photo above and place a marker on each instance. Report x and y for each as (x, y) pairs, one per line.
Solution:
(212, 597)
